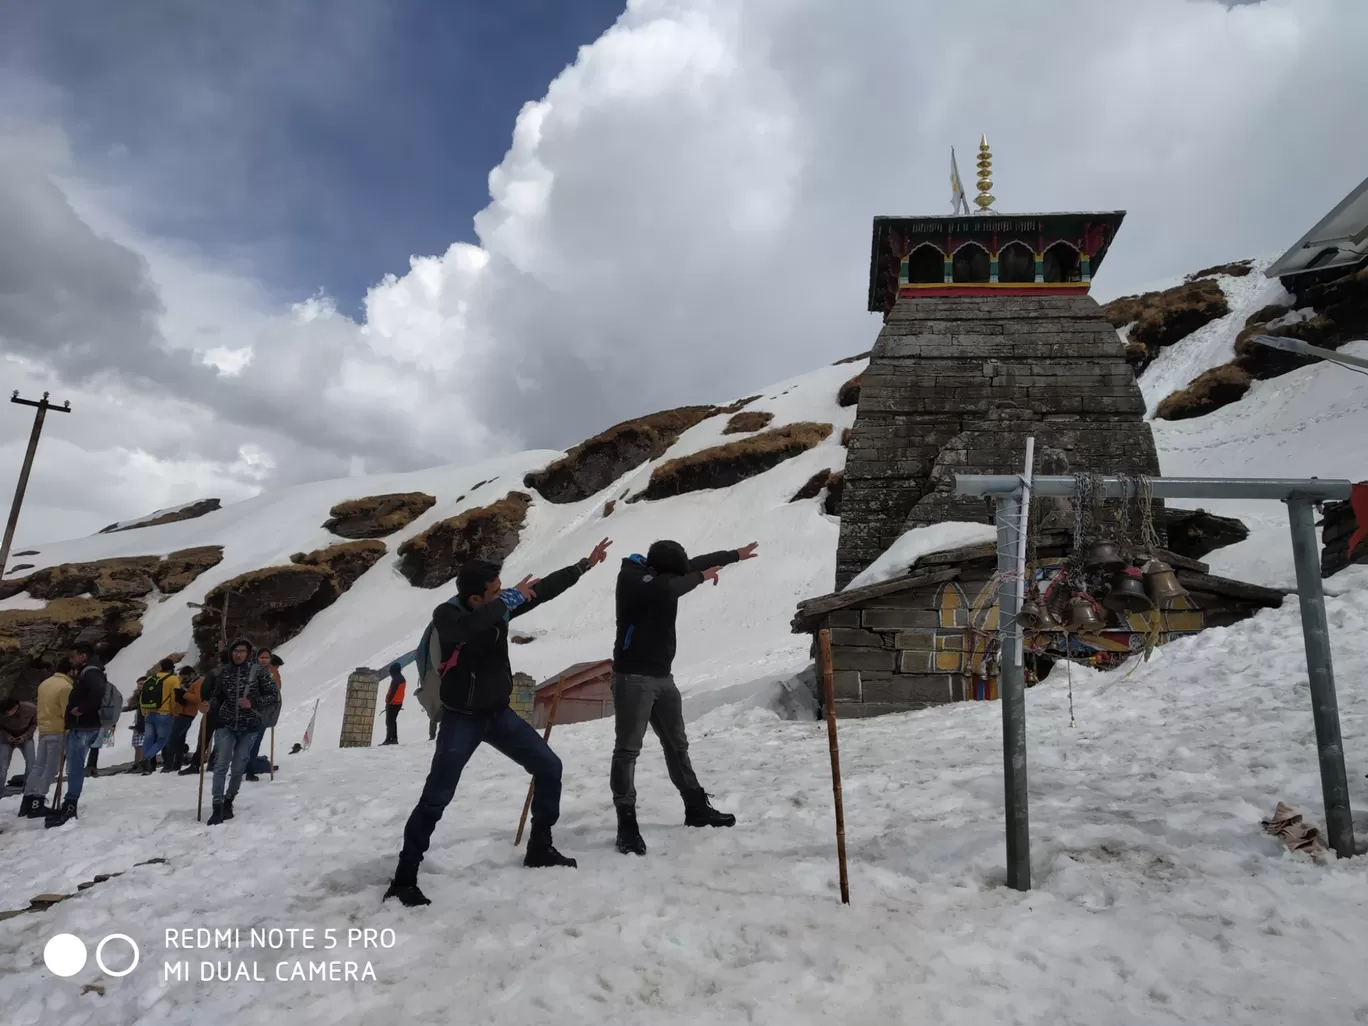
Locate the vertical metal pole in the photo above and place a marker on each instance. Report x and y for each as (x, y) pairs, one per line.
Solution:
(1028, 474)
(1012, 693)
(1339, 823)
(23, 486)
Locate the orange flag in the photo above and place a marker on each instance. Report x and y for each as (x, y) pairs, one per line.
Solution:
(1358, 500)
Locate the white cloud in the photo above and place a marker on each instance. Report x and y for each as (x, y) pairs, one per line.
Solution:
(684, 216)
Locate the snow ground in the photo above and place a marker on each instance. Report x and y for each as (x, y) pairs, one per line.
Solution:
(911, 545)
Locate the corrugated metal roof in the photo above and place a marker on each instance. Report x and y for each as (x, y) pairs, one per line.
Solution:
(585, 671)
(1339, 239)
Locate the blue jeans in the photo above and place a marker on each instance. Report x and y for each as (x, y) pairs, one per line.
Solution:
(230, 751)
(79, 744)
(156, 733)
(457, 738)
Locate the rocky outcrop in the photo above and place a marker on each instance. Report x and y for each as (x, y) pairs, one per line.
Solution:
(122, 577)
(747, 422)
(1337, 527)
(1195, 533)
(813, 487)
(1161, 319)
(849, 395)
(725, 465)
(190, 512)
(597, 462)
(346, 562)
(835, 488)
(1206, 393)
(377, 516)
(270, 606)
(32, 640)
(432, 558)
(1235, 269)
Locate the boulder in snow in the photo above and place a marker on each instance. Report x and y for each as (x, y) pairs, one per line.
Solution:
(347, 562)
(725, 465)
(190, 511)
(432, 558)
(377, 516)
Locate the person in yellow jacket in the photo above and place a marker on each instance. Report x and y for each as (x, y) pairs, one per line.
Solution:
(186, 707)
(52, 706)
(156, 696)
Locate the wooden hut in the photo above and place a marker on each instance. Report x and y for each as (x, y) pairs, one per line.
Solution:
(587, 695)
(929, 636)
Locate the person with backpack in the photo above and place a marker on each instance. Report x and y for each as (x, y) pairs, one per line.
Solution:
(83, 722)
(186, 707)
(240, 693)
(52, 704)
(271, 663)
(644, 693)
(463, 655)
(394, 701)
(156, 697)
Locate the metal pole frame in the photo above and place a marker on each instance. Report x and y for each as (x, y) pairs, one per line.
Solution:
(1013, 495)
(41, 406)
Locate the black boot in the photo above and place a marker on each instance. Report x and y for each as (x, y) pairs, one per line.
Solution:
(699, 813)
(59, 816)
(629, 840)
(227, 808)
(218, 816)
(148, 765)
(404, 886)
(191, 769)
(33, 806)
(541, 853)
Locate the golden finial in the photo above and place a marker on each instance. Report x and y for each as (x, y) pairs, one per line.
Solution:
(985, 196)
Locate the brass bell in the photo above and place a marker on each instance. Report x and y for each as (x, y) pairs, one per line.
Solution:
(1127, 594)
(1036, 616)
(1162, 584)
(1084, 617)
(1103, 555)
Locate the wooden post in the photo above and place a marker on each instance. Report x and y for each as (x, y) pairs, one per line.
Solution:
(61, 768)
(42, 406)
(829, 700)
(199, 807)
(546, 736)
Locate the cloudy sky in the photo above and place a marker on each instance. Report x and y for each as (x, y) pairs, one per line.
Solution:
(261, 243)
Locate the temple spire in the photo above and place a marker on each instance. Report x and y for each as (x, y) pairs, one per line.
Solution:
(985, 196)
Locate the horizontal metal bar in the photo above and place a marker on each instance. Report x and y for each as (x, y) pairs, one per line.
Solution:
(1314, 489)
(1300, 348)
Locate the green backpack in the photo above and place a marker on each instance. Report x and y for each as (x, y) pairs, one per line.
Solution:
(150, 692)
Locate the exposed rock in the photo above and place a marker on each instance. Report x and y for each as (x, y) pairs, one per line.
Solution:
(1236, 269)
(1338, 527)
(608, 507)
(1339, 314)
(1195, 533)
(849, 395)
(738, 405)
(745, 423)
(1264, 314)
(32, 640)
(431, 559)
(1207, 392)
(835, 488)
(20, 566)
(270, 606)
(813, 487)
(347, 561)
(725, 465)
(846, 434)
(1161, 319)
(853, 359)
(377, 516)
(122, 577)
(177, 570)
(521, 639)
(597, 462)
(190, 512)
(27, 552)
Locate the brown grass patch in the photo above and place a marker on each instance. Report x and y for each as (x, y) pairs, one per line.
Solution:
(432, 558)
(733, 462)
(347, 561)
(597, 462)
(1264, 314)
(1161, 319)
(835, 487)
(1234, 269)
(32, 640)
(748, 422)
(846, 435)
(738, 405)
(854, 359)
(1209, 391)
(849, 395)
(813, 487)
(180, 568)
(608, 507)
(377, 516)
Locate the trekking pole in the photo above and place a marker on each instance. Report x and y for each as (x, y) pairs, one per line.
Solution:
(546, 736)
(199, 807)
(829, 700)
(273, 753)
(61, 768)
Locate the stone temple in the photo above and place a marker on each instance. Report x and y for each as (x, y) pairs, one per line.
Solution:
(989, 336)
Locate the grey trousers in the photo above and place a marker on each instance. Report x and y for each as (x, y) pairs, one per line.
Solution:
(7, 751)
(43, 772)
(638, 701)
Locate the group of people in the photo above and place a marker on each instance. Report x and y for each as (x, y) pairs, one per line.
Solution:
(476, 680)
(76, 712)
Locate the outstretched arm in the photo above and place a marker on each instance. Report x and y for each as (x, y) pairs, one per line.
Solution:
(563, 580)
(724, 558)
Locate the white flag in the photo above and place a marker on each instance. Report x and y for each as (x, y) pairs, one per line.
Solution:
(959, 203)
(308, 731)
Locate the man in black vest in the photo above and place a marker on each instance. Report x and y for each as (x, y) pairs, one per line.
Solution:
(648, 592)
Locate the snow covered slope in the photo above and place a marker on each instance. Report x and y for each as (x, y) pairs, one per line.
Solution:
(731, 634)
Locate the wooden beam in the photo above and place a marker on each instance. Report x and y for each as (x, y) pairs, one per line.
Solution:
(810, 609)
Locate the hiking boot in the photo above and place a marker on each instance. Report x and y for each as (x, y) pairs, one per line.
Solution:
(190, 770)
(32, 806)
(92, 771)
(542, 854)
(57, 817)
(699, 813)
(148, 765)
(405, 888)
(218, 816)
(227, 808)
(252, 777)
(629, 841)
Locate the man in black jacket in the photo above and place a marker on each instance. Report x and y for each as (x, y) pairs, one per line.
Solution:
(477, 682)
(644, 692)
(237, 695)
(82, 725)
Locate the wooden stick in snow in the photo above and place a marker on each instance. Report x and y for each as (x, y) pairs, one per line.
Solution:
(546, 736)
(199, 808)
(829, 701)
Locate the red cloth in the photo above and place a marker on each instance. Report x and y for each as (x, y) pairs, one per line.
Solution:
(1358, 499)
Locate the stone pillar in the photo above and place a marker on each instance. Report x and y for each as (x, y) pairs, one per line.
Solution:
(523, 698)
(1040, 268)
(993, 267)
(358, 716)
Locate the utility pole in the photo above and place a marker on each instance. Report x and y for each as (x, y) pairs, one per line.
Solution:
(42, 406)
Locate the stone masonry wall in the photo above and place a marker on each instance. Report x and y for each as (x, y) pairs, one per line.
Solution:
(955, 385)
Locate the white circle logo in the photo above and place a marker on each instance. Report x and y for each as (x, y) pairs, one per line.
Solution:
(65, 955)
(99, 954)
